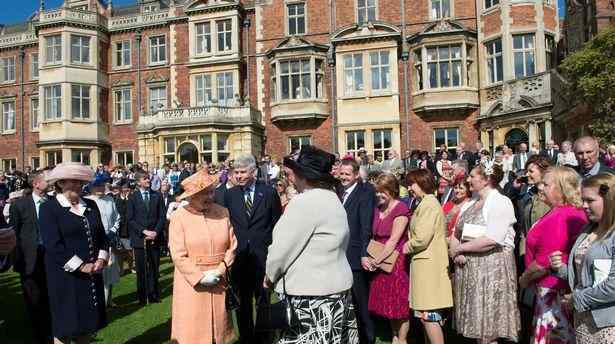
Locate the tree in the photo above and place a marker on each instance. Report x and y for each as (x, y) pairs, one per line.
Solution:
(590, 76)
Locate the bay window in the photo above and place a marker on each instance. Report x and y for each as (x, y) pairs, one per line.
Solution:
(296, 142)
(444, 66)
(225, 34)
(79, 49)
(523, 53)
(53, 49)
(80, 101)
(297, 79)
(53, 101)
(353, 73)
(380, 70)
(203, 38)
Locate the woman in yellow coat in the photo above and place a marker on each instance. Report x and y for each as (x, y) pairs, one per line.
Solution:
(430, 290)
(202, 245)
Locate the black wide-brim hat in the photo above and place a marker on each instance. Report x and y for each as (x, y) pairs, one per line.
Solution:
(312, 164)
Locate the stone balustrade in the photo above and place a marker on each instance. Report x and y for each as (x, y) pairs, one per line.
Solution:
(21, 38)
(218, 115)
(145, 19)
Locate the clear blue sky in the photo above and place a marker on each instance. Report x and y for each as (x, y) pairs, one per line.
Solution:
(15, 11)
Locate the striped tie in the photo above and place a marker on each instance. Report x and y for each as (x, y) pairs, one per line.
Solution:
(248, 203)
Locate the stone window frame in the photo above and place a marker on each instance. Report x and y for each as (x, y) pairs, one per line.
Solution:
(380, 67)
(366, 75)
(353, 90)
(195, 81)
(52, 59)
(214, 48)
(287, 17)
(299, 137)
(213, 77)
(275, 78)
(11, 69)
(38, 114)
(34, 62)
(355, 146)
(82, 48)
(451, 10)
(149, 96)
(84, 155)
(116, 65)
(525, 51)
(12, 163)
(115, 103)
(80, 116)
(357, 9)
(57, 153)
(4, 102)
(123, 152)
(446, 129)
(60, 113)
(488, 56)
(232, 48)
(490, 4)
(383, 150)
(212, 34)
(420, 64)
(150, 62)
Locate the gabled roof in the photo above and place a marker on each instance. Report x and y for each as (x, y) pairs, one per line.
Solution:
(371, 30)
(295, 43)
(444, 26)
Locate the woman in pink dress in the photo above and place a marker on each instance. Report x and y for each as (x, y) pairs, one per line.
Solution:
(388, 291)
(557, 230)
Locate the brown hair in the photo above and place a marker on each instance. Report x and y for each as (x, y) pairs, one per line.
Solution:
(605, 183)
(496, 176)
(388, 184)
(424, 178)
(542, 162)
(351, 162)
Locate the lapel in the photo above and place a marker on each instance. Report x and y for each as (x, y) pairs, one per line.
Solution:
(353, 196)
(31, 210)
(238, 201)
(258, 197)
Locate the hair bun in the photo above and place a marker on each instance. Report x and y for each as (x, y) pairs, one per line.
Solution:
(496, 176)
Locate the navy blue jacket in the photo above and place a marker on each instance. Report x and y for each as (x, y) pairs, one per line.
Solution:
(139, 219)
(359, 207)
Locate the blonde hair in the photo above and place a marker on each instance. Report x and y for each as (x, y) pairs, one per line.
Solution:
(605, 183)
(568, 183)
(611, 149)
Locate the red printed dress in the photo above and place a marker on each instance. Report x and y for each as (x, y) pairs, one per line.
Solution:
(388, 293)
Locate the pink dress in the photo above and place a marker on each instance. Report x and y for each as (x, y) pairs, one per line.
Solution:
(388, 292)
(557, 230)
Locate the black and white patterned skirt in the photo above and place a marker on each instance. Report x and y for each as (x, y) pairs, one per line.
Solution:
(324, 320)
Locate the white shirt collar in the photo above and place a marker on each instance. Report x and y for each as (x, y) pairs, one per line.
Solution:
(64, 202)
(36, 197)
(348, 191)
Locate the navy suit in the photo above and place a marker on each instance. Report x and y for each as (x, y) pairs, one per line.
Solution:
(140, 218)
(359, 207)
(253, 239)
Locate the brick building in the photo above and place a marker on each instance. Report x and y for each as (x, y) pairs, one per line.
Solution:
(204, 80)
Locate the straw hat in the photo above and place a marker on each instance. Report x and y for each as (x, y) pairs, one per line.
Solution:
(70, 170)
(198, 182)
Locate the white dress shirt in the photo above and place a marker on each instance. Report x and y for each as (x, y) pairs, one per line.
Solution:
(347, 192)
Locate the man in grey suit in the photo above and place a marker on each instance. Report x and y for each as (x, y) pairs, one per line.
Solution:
(521, 157)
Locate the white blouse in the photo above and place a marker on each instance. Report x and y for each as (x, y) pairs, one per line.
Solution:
(499, 214)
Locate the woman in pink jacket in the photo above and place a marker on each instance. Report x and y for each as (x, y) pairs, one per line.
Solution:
(555, 231)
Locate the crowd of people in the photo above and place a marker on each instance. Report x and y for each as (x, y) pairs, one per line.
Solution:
(515, 246)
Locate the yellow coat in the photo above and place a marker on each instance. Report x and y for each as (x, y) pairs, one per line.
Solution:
(199, 243)
(430, 287)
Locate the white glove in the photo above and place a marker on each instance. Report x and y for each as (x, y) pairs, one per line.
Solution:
(210, 278)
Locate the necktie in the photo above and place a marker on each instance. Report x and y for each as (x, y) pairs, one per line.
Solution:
(146, 200)
(248, 201)
(344, 197)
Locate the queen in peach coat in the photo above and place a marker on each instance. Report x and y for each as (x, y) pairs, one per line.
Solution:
(201, 240)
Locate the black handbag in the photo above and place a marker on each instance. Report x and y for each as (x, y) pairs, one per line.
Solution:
(231, 300)
(277, 316)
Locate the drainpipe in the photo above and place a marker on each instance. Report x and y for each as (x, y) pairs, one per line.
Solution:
(333, 97)
(404, 56)
(246, 26)
(138, 37)
(22, 121)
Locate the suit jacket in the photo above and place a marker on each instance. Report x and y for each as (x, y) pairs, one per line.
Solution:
(359, 207)
(517, 161)
(25, 222)
(254, 232)
(221, 191)
(553, 159)
(139, 219)
(602, 169)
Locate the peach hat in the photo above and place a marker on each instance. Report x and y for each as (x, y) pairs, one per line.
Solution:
(70, 170)
(198, 182)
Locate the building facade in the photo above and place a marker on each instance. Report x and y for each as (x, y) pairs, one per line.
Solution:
(204, 80)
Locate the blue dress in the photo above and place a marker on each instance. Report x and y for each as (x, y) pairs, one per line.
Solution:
(77, 300)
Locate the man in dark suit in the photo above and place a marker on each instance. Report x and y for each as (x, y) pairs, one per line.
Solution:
(254, 209)
(550, 152)
(359, 200)
(586, 149)
(29, 258)
(520, 159)
(462, 154)
(145, 223)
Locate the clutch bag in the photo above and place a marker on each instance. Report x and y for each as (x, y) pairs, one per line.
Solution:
(472, 231)
(375, 248)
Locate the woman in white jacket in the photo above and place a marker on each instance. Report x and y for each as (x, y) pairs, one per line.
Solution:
(110, 218)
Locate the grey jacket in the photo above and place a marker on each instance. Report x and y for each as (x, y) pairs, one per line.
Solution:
(599, 300)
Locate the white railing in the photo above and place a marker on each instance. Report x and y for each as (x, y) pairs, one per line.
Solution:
(196, 115)
(17, 39)
(79, 16)
(138, 20)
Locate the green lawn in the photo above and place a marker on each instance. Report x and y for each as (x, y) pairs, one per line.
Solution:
(128, 323)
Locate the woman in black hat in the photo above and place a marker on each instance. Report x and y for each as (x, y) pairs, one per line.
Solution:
(307, 259)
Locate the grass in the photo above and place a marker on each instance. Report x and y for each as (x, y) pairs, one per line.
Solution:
(129, 323)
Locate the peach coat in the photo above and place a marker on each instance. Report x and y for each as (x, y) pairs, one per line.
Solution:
(199, 243)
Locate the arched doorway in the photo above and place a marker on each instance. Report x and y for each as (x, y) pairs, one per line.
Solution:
(515, 137)
(188, 152)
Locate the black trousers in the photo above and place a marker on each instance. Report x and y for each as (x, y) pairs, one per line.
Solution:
(248, 273)
(147, 276)
(35, 294)
(360, 298)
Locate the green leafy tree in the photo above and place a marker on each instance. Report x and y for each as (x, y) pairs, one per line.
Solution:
(590, 73)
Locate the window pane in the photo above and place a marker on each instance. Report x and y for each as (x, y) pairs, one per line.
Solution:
(222, 139)
(452, 137)
(529, 67)
(456, 73)
(518, 42)
(440, 138)
(519, 64)
(432, 74)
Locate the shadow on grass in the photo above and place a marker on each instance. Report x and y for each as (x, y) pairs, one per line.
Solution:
(155, 335)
